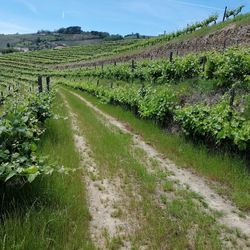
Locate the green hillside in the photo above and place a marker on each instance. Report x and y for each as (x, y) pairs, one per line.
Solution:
(109, 145)
(61, 38)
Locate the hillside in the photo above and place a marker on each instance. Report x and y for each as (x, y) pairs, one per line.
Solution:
(234, 32)
(59, 39)
(118, 145)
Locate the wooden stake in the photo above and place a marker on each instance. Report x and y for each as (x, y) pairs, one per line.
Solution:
(48, 83)
(224, 16)
(171, 56)
(232, 97)
(133, 66)
(40, 84)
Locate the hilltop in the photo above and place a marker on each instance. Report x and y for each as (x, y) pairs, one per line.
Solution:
(61, 38)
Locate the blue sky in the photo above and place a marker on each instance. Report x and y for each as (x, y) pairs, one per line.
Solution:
(149, 17)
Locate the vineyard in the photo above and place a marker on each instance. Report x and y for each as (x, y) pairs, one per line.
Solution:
(148, 153)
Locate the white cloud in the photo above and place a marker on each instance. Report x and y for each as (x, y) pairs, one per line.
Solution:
(63, 15)
(31, 7)
(196, 5)
(12, 28)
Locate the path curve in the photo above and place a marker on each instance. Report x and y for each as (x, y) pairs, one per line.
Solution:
(103, 194)
(230, 213)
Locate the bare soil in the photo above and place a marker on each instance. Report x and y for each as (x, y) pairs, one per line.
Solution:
(232, 35)
(105, 197)
(230, 215)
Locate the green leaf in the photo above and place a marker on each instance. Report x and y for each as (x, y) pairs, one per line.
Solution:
(31, 170)
(32, 177)
(10, 175)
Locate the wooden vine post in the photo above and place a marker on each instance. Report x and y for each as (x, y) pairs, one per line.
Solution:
(143, 90)
(48, 83)
(2, 98)
(133, 69)
(224, 16)
(225, 44)
(232, 97)
(231, 102)
(133, 66)
(203, 61)
(40, 84)
(171, 56)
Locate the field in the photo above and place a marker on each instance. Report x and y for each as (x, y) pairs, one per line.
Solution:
(140, 154)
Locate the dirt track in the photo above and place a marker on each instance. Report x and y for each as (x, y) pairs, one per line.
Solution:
(230, 217)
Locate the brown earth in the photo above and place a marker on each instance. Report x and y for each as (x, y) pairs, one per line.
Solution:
(232, 35)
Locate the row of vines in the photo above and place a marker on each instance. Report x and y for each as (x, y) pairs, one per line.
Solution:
(227, 68)
(21, 126)
(219, 123)
(222, 123)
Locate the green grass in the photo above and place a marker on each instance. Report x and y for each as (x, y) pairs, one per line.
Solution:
(160, 228)
(50, 213)
(230, 172)
(1, 109)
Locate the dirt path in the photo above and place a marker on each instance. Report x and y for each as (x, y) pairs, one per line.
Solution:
(230, 214)
(104, 196)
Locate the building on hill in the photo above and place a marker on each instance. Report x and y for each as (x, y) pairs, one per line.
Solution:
(22, 49)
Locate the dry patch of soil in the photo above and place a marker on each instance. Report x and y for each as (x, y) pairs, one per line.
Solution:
(105, 198)
(229, 213)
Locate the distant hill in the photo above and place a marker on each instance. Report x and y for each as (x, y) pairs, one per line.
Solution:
(63, 37)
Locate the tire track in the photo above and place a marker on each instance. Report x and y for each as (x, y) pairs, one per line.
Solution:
(104, 196)
(230, 213)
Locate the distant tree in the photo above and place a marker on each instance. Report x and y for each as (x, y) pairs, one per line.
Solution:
(134, 36)
(61, 30)
(74, 30)
(94, 33)
(100, 34)
(104, 34)
(114, 38)
(43, 32)
(8, 45)
(8, 50)
(38, 40)
(70, 30)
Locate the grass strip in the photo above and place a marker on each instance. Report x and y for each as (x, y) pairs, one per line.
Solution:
(52, 212)
(230, 172)
(179, 224)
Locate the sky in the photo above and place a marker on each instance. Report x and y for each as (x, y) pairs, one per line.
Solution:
(148, 17)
